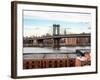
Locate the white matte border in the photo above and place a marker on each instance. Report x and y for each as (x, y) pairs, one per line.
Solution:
(30, 72)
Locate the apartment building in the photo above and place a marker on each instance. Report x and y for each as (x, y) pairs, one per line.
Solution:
(34, 61)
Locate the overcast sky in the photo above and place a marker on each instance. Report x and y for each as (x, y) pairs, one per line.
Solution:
(39, 23)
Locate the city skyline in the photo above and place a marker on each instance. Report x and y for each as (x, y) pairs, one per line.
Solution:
(38, 23)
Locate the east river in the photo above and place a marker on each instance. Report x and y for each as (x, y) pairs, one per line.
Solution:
(51, 50)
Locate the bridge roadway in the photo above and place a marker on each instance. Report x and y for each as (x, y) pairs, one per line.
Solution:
(64, 36)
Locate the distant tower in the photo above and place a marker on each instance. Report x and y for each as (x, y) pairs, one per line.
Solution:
(56, 29)
(65, 31)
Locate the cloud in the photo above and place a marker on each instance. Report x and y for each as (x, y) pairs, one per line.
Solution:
(35, 30)
(58, 16)
(38, 23)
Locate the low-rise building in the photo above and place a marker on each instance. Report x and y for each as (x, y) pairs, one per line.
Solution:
(33, 61)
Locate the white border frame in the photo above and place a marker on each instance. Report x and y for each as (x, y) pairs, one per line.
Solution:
(21, 72)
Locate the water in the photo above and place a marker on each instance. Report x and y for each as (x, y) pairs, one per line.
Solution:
(51, 50)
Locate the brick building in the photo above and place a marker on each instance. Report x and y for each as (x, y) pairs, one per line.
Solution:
(33, 61)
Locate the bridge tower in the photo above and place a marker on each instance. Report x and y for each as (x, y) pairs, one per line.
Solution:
(56, 32)
(56, 29)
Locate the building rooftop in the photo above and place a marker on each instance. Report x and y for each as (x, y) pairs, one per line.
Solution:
(48, 56)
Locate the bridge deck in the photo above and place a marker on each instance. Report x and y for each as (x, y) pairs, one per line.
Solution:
(66, 36)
